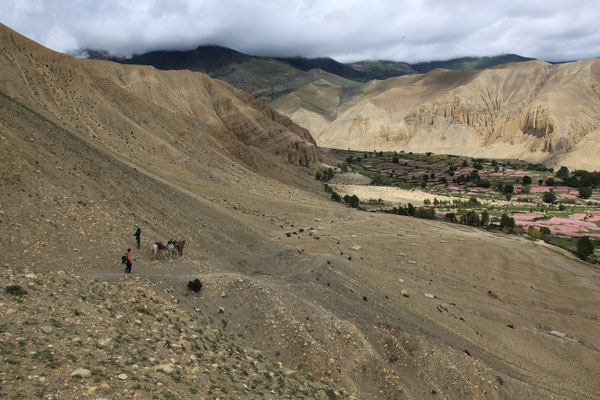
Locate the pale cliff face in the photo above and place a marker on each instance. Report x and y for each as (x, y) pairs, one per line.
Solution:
(531, 110)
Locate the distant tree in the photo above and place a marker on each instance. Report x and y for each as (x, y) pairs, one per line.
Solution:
(473, 218)
(425, 177)
(494, 163)
(425, 212)
(465, 163)
(477, 165)
(496, 168)
(428, 153)
(450, 217)
(540, 181)
(381, 181)
(411, 210)
(344, 166)
(508, 188)
(423, 184)
(346, 198)
(527, 180)
(485, 218)
(526, 188)
(354, 201)
(336, 197)
(550, 182)
(545, 231)
(426, 202)
(318, 175)
(508, 197)
(349, 159)
(451, 173)
(475, 176)
(561, 207)
(585, 192)
(585, 247)
(563, 173)
(395, 160)
(533, 232)
(549, 197)
(507, 222)
(432, 175)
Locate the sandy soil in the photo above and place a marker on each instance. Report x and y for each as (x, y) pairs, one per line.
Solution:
(389, 194)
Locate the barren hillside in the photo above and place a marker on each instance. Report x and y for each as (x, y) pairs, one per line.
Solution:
(302, 297)
(530, 110)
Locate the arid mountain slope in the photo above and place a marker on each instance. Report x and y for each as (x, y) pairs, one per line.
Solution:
(159, 114)
(302, 296)
(529, 110)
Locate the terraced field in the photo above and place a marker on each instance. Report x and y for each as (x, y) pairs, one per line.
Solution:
(561, 206)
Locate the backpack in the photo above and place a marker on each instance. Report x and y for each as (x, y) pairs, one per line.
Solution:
(124, 259)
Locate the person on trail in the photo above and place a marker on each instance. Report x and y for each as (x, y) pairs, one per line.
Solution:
(137, 236)
(128, 263)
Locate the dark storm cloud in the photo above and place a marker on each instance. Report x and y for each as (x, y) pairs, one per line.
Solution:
(345, 30)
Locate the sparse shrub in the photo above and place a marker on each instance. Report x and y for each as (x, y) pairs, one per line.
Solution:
(344, 166)
(550, 182)
(585, 247)
(354, 201)
(335, 196)
(395, 160)
(508, 188)
(15, 290)
(195, 285)
(545, 231)
(411, 210)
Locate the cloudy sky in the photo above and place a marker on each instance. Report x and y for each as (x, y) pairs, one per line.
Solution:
(347, 30)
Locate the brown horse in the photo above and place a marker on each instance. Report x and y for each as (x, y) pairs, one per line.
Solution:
(158, 248)
(179, 247)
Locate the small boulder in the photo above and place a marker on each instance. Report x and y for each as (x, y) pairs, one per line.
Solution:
(81, 373)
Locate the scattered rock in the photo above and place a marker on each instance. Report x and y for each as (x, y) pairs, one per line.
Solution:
(81, 373)
(166, 368)
(404, 292)
(401, 280)
(557, 333)
(122, 376)
(429, 296)
(356, 247)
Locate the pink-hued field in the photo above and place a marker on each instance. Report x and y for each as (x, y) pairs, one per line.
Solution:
(574, 225)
